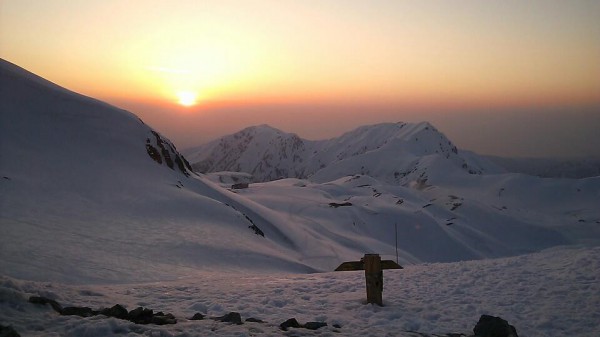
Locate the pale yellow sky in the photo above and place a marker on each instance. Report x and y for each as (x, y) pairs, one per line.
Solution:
(236, 54)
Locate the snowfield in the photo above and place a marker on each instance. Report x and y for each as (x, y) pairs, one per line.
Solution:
(98, 209)
(551, 293)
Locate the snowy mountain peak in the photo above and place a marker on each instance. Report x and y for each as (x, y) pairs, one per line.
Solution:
(263, 151)
(388, 150)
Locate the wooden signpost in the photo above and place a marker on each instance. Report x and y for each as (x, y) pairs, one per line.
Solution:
(373, 267)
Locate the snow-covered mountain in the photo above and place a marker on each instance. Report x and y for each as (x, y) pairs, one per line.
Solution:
(88, 190)
(97, 208)
(392, 152)
(91, 193)
(261, 150)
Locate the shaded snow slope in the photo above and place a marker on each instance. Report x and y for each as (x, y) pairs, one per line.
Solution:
(87, 193)
(389, 152)
(483, 217)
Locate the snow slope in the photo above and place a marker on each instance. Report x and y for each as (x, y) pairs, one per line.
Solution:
(77, 176)
(96, 208)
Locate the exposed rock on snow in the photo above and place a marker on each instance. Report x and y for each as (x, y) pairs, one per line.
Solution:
(8, 331)
(290, 323)
(491, 326)
(232, 317)
(138, 315)
(167, 152)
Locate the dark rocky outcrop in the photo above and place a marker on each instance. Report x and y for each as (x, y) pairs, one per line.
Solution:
(254, 320)
(44, 300)
(314, 325)
(240, 186)
(257, 230)
(8, 331)
(139, 315)
(197, 317)
(290, 323)
(293, 323)
(232, 317)
(116, 311)
(336, 204)
(78, 311)
(491, 326)
(166, 151)
(153, 153)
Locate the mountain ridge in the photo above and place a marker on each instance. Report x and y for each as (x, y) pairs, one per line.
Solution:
(269, 158)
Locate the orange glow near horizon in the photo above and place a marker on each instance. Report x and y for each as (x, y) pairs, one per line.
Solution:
(289, 52)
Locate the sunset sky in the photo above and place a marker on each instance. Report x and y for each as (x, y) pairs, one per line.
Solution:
(498, 77)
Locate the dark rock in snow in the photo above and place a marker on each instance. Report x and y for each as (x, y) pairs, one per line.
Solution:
(256, 230)
(78, 311)
(153, 153)
(44, 300)
(254, 320)
(141, 315)
(239, 186)
(336, 205)
(197, 317)
(163, 319)
(116, 311)
(491, 326)
(8, 331)
(232, 317)
(290, 323)
(314, 325)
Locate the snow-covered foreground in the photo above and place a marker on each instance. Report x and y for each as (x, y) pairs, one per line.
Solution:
(551, 293)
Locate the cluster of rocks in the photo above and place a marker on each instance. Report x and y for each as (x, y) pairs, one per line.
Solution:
(487, 326)
(139, 315)
(167, 151)
(293, 323)
(236, 318)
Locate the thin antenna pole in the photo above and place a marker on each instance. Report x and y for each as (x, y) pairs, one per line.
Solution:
(396, 236)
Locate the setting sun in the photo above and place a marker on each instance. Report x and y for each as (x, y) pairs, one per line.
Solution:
(186, 98)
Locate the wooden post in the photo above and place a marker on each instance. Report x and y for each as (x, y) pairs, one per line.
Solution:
(373, 267)
(374, 278)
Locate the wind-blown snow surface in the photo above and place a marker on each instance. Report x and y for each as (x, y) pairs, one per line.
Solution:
(86, 204)
(552, 293)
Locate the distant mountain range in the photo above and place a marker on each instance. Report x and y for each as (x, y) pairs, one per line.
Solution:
(572, 168)
(91, 194)
(269, 154)
(392, 152)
